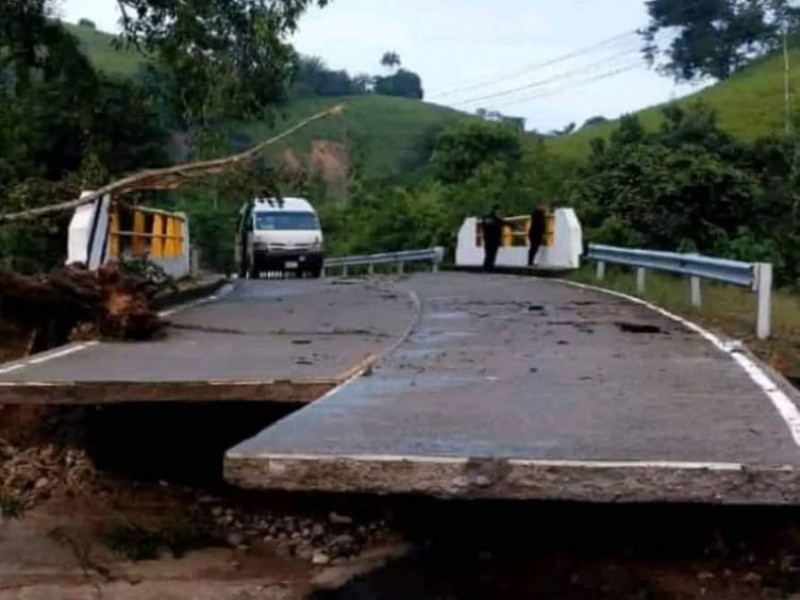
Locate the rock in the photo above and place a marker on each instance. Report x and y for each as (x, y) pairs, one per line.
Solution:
(318, 531)
(305, 552)
(752, 578)
(235, 539)
(338, 519)
(41, 483)
(343, 542)
(320, 558)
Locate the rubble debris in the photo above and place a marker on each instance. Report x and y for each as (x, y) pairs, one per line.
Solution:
(320, 540)
(73, 302)
(32, 475)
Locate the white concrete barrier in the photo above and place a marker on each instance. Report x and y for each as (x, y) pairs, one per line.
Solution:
(103, 231)
(562, 249)
(88, 232)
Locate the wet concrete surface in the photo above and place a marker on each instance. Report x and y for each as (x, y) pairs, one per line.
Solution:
(518, 388)
(305, 331)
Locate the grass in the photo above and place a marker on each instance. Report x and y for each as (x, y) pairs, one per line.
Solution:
(749, 104)
(727, 309)
(99, 47)
(386, 129)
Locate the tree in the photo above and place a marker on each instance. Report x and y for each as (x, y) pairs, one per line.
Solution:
(390, 60)
(88, 23)
(460, 151)
(229, 59)
(714, 38)
(403, 83)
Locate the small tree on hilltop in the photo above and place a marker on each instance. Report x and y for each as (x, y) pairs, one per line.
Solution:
(391, 60)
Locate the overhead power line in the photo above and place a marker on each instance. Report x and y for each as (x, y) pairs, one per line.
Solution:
(598, 77)
(606, 61)
(507, 75)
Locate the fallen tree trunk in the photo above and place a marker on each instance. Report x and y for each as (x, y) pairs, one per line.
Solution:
(70, 301)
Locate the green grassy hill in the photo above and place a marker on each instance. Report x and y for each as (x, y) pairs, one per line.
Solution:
(749, 104)
(385, 129)
(105, 56)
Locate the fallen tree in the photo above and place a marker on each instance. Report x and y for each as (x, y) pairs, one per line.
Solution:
(73, 302)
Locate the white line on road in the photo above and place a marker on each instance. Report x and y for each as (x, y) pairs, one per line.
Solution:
(786, 408)
(44, 357)
(213, 298)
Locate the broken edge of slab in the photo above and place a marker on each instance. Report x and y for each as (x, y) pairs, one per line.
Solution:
(512, 479)
(115, 392)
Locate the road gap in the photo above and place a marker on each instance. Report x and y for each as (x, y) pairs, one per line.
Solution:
(181, 443)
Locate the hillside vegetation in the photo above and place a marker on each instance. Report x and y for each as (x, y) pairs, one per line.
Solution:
(386, 129)
(749, 104)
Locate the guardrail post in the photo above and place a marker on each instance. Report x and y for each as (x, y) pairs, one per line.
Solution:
(695, 292)
(640, 280)
(601, 270)
(401, 267)
(344, 271)
(764, 289)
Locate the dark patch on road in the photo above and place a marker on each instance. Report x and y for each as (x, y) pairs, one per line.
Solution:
(627, 327)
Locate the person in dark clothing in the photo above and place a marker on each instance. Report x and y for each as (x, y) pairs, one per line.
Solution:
(536, 232)
(492, 225)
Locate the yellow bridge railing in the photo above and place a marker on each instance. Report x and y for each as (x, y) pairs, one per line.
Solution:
(139, 232)
(517, 234)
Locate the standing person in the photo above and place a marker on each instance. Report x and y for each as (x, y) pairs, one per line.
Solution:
(536, 232)
(492, 236)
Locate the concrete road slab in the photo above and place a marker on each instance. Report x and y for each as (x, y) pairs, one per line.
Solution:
(530, 389)
(285, 340)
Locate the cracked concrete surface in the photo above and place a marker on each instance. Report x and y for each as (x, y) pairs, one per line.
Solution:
(517, 388)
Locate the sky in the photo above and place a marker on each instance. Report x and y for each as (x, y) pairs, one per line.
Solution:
(552, 62)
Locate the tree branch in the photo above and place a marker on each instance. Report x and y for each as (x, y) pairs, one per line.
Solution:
(170, 177)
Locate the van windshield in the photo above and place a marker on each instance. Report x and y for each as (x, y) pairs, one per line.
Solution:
(287, 221)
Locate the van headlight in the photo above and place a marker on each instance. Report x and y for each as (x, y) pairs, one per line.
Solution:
(317, 246)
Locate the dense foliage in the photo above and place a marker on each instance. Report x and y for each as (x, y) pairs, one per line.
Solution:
(690, 186)
(715, 38)
(314, 78)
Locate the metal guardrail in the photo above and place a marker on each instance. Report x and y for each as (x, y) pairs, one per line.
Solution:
(755, 276)
(433, 255)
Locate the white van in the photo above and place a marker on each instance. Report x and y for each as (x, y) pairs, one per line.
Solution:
(279, 234)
